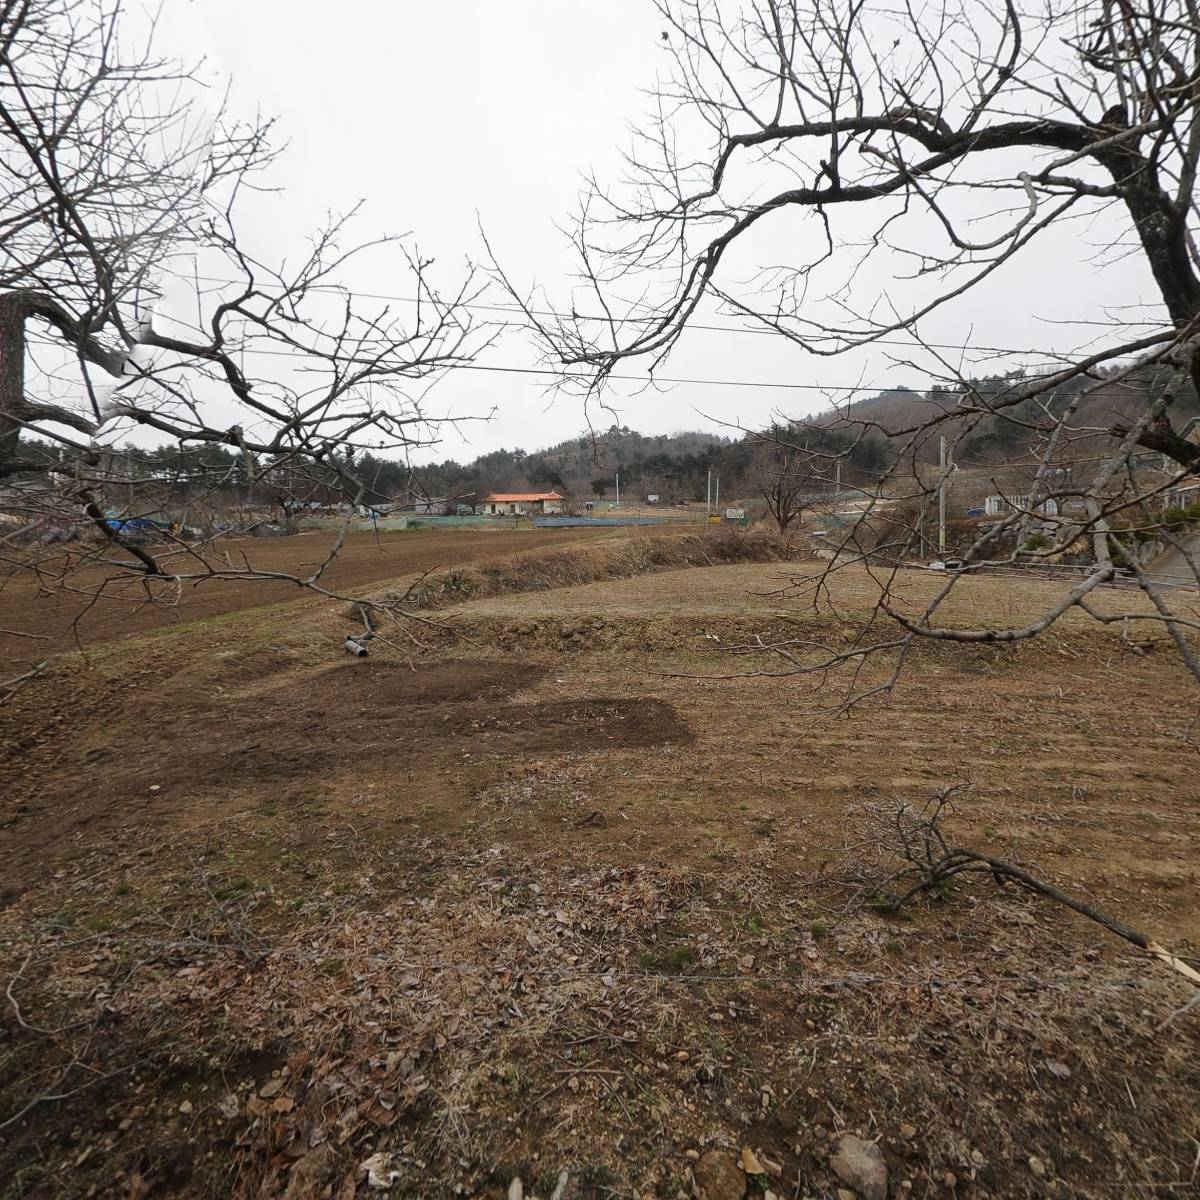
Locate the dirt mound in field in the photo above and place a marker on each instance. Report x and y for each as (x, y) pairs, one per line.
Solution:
(724, 643)
(363, 686)
(237, 666)
(216, 749)
(590, 724)
(574, 565)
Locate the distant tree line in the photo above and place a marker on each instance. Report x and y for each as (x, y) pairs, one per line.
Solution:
(850, 447)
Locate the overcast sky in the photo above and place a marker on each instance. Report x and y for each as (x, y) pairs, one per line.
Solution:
(446, 116)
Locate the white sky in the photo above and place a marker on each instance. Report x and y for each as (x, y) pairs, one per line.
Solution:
(441, 116)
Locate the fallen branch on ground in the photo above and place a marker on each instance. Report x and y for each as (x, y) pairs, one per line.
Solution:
(10, 687)
(930, 862)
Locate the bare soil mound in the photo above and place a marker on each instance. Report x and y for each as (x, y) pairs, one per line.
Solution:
(571, 566)
(577, 725)
(199, 744)
(364, 686)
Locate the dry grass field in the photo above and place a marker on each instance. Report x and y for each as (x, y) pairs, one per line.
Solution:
(544, 896)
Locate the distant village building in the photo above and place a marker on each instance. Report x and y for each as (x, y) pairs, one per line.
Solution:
(519, 503)
(994, 506)
(1183, 495)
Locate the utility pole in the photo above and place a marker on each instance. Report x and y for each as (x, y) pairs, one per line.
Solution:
(717, 501)
(618, 489)
(942, 498)
(837, 485)
(708, 493)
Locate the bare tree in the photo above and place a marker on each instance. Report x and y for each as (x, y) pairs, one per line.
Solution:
(926, 148)
(121, 192)
(785, 476)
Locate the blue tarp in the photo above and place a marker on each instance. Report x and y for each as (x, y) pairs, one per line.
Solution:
(134, 523)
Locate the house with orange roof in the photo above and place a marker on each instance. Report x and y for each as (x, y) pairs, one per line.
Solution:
(519, 503)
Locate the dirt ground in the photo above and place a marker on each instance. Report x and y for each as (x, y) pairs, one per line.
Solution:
(543, 895)
(86, 613)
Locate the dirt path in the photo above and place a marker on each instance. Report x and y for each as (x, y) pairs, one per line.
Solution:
(1172, 568)
(60, 619)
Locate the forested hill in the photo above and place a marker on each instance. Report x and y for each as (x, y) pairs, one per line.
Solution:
(990, 438)
(674, 466)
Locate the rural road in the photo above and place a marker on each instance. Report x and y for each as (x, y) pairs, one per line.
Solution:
(59, 620)
(1171, 569)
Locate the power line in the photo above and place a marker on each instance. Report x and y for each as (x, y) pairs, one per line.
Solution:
(874, 388)
(474, 306)
(551, 372)
(639, 379)
(642, 379)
